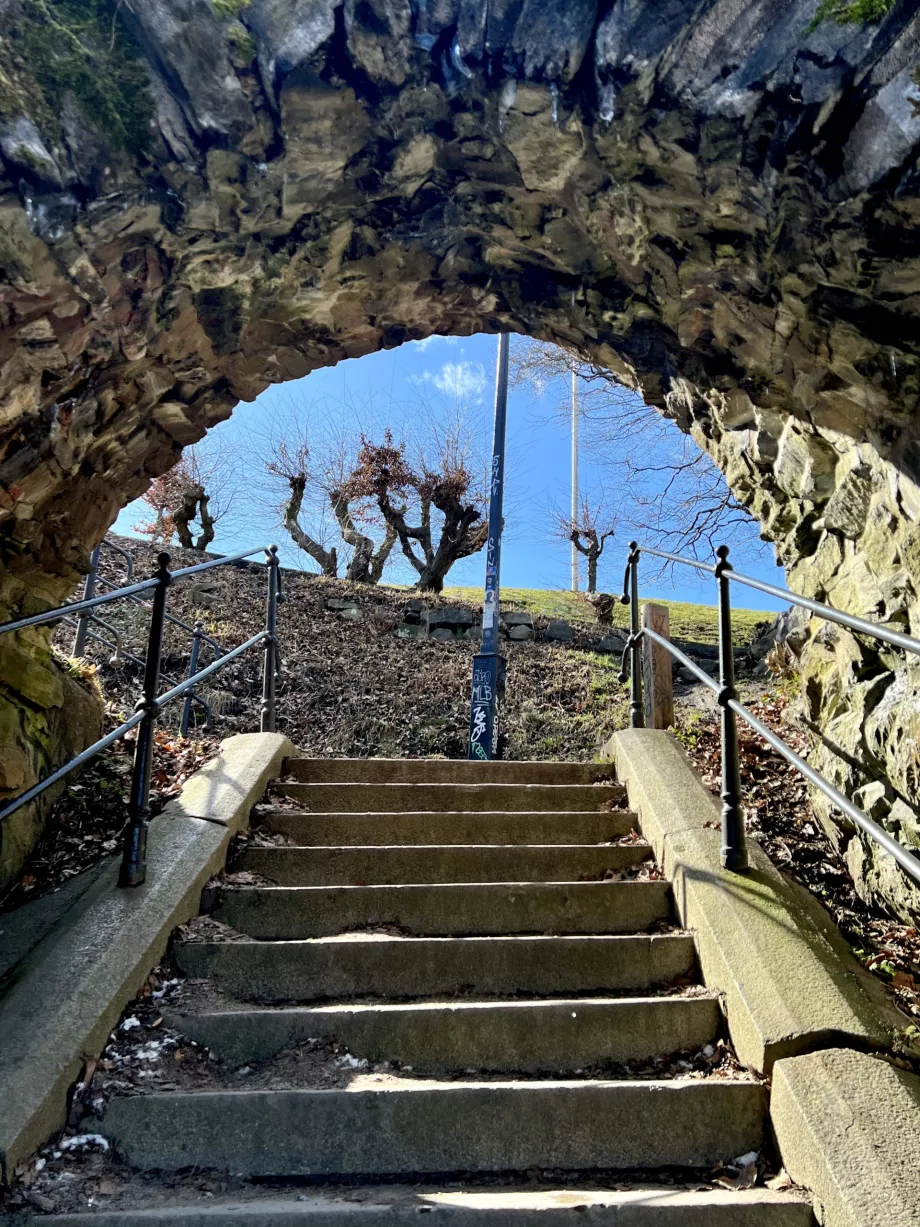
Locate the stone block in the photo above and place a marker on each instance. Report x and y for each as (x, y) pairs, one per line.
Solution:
(845, 1124)
(243, 768)
(611, 643)
(559, 632)
(449, 617)
(520, 633)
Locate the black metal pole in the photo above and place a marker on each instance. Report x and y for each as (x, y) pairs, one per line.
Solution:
(192, 670)
(83, 617)
(636, 711)
(488, 664)
(268, 660)
(734, 850)
(134, 859)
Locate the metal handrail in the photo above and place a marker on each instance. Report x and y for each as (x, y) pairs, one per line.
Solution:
(101, 579)
(734, 852)
(121, 653)
(119, 549)
(61, 611)
(179, 690)
(134, 859)
(84, 620)
(222, 561)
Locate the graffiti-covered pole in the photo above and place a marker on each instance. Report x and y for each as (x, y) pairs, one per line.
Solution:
(489, 665)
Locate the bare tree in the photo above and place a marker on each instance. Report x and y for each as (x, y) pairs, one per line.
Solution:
(368, 559)
(589, 533)
(405, 495)
(200, 486)
(667, 487)
(194, 504)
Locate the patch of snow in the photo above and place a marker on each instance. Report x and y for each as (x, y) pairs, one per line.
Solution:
(80, 1141)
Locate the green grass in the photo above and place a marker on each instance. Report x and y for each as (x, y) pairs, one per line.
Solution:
(694, 622)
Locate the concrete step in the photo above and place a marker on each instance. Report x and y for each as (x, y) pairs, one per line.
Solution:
(425, 827)
(355, 866)
(378, 965)
(440, 1037)
(441, 771)
(639, 1205)
(444, 798)
(408, 1127)
(286, 913)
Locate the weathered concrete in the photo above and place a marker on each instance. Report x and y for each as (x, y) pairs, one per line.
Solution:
(842, 1122)
(356, 866)
(408, 1127)
(438, 771)
(237, 777)
(427, 827)
(450, 798)
(288, 913)
(560, 1036)
(69, 991)
(789, 979)
(638, 1206)
(23, 929)
(378, 965)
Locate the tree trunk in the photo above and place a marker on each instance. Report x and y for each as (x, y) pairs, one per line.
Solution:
(194, 503)
(327, 559)
(460, 537)
(366, 566)
(592, 570)
(378, 562)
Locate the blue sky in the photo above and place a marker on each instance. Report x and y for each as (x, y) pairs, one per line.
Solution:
(401, 388)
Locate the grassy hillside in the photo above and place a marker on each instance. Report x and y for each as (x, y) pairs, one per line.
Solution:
(694, 622)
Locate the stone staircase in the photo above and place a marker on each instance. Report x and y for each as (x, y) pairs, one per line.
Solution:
(494, 932)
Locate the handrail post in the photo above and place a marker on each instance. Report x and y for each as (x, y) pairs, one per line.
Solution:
(636, 711)
(134, 859)
(192, 670)
(271, 627)
(734, 850)
(84, 616)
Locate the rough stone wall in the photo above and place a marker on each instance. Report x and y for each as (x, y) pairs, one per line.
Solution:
(202, 198)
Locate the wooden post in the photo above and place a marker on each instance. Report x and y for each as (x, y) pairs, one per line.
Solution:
(657, 678)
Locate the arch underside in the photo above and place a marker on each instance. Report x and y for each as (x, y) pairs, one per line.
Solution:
(706, 198)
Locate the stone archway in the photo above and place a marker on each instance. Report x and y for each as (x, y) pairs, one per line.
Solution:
(201, 197)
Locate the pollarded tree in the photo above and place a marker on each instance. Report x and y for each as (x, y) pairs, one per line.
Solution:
(589, 533)
(196, 488)
(368, 557)
(408, 498)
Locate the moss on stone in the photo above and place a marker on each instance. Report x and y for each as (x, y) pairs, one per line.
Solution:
(229, 8)
(851, 12)
(83, 48)
(243, 49)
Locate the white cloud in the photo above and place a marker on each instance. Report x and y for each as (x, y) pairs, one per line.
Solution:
(459, 379)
